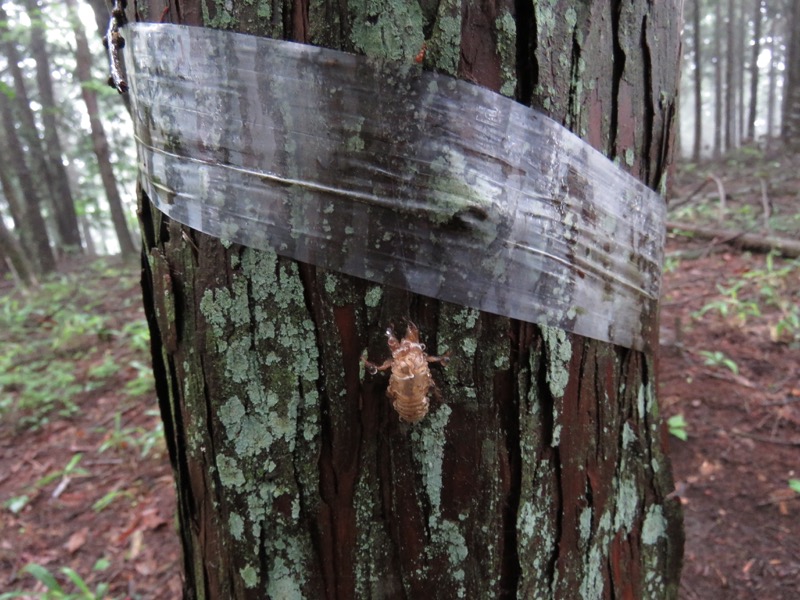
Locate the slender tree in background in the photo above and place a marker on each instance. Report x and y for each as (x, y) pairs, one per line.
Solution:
(542, 474)
(730, 76)
(791, 88)
(15, 257)
(33, 231)
(772, 76)
(717, 80)
(754, 71)
(66, 217)
(698, 82)
(83, 57)
(740, 29)
(29, 132)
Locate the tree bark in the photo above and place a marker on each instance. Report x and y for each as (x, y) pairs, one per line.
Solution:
(541, 469)
(83, 70)
(65, 215)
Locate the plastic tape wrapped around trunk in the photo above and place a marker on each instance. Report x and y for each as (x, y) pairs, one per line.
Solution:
(394, 174)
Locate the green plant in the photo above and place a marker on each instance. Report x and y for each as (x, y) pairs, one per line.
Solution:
(108, 498)
(137, 334)
(794, 484)
(133, 437)
(143, 383)
(769, 293)
(55, 591)
(70, 471)
(718, 359)
(678, 427)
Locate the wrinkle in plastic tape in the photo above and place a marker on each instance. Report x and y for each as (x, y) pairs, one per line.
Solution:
(396, 175)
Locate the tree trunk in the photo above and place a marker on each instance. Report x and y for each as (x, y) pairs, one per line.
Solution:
(83, 58)
(791, 88)
(65, 216)
(28, 130)
(541, 469)
(718, 81)
(754, 72)
(33, 231)
(772, 95)
(698, 82)
(730, 78)
(13, 253)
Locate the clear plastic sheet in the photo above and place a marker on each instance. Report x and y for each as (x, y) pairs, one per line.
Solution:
(395, 175)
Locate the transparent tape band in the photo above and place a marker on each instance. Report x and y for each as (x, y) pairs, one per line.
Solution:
(396, 175)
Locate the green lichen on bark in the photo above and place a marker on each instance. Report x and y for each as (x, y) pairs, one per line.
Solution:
(386, 29)
(444, 45)
(506, 28)
(264, 405)
(446, 535)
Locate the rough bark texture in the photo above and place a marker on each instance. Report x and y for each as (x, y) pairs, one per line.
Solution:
(83, 59)
(540, 470)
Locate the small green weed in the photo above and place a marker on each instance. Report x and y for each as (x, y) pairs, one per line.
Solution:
(58, 343)
(122, 438)
(677, 426)
(794, 484)
(718, 359)
(55, 591)
(770, 293)
(70, 471)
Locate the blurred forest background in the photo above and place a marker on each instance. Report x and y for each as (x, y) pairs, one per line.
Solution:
(86, 499)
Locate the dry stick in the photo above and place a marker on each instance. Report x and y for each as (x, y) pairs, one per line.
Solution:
(765, 439)
(115, 42)
(723, 205)
(750, 241)
(692, 194)
(765, 203)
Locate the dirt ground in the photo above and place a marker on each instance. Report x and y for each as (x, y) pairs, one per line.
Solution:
(734, 378)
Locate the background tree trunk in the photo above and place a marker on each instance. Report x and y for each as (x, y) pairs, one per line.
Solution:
(754, 71)
(698, 82)
(731, 59)
(34, 154)
(791, 90)
(83, 59)
(718, 122)
(64, 205)
(541, 470)
(33, 231)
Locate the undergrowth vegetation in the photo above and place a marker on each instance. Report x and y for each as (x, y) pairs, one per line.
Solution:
(70, 337)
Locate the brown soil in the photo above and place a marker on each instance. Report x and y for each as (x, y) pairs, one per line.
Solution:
(742, 520)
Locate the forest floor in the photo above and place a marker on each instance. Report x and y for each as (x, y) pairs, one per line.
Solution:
(86, 490)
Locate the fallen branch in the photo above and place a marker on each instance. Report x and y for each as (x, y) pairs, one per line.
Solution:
(749, 241)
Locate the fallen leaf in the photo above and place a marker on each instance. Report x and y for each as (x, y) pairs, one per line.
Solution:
(137, 537)
(77, 540)
(748, 565)
(152, 519)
